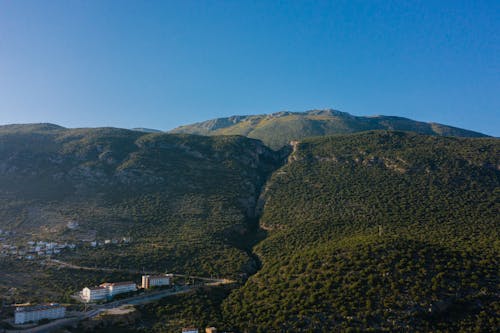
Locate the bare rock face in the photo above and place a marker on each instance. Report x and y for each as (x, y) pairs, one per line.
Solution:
(293, 155)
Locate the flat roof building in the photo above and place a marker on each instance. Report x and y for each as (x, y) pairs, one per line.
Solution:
(116, 288)
(107, 290)
(94, 294)
(149, 281)
(26, 314)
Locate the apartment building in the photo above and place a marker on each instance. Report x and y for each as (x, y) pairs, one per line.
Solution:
(26, 314)
(149, 281)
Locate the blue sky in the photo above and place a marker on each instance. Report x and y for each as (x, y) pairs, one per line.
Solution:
(161, 64)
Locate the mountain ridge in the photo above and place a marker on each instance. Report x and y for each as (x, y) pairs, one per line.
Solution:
(376, 230)
(279, 128)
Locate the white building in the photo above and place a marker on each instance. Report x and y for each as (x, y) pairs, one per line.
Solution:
(94, 294)
(190, 330)
(149, 281)
(26, 314)
(72, 225)
(119, 287)
(107, 290)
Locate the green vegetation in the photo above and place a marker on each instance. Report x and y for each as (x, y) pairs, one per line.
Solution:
(375, 231)
(185, 201)
(278, 129)
(381, 230)
(27, 281)
(200, 308)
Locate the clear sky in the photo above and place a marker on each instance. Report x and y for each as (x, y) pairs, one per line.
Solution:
(160, 64)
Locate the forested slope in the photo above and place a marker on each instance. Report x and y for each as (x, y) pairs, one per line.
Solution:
(185, 201)
(378, 230)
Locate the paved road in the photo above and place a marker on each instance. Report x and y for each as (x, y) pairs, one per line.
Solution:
(106, 269)
(135, 300)
(48, 327)
(101, 269)
(214, 280)
(97, 309)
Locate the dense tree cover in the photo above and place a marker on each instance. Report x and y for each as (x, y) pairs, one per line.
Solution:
(185, 201)
(384, 231)
(27, 281)
(370, 282)
(200, 308)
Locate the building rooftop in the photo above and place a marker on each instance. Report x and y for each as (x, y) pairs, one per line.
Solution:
(96, 288)
(114, 284)
(40, 307)
(158, 276)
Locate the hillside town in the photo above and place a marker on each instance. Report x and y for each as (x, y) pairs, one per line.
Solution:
(11, 246)
(33, 249)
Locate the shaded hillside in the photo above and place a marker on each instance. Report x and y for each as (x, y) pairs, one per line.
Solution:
(382, 230)
(278, 129)
(184, 200)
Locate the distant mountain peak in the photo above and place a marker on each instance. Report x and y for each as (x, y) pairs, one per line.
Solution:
(279, 128)
(146, 130)
(32, 127)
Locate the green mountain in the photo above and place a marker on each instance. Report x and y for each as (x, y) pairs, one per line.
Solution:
(377, 231)
(384, 231)
(373, 231)
(278, 129)
(187, 202)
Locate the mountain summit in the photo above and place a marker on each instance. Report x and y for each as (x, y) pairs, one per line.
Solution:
(278, 129)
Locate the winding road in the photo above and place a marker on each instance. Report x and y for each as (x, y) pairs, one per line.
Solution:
(143, 298)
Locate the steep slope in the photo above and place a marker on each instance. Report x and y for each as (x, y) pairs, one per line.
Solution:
(185, 201)
(381, 230)
(278, 129)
